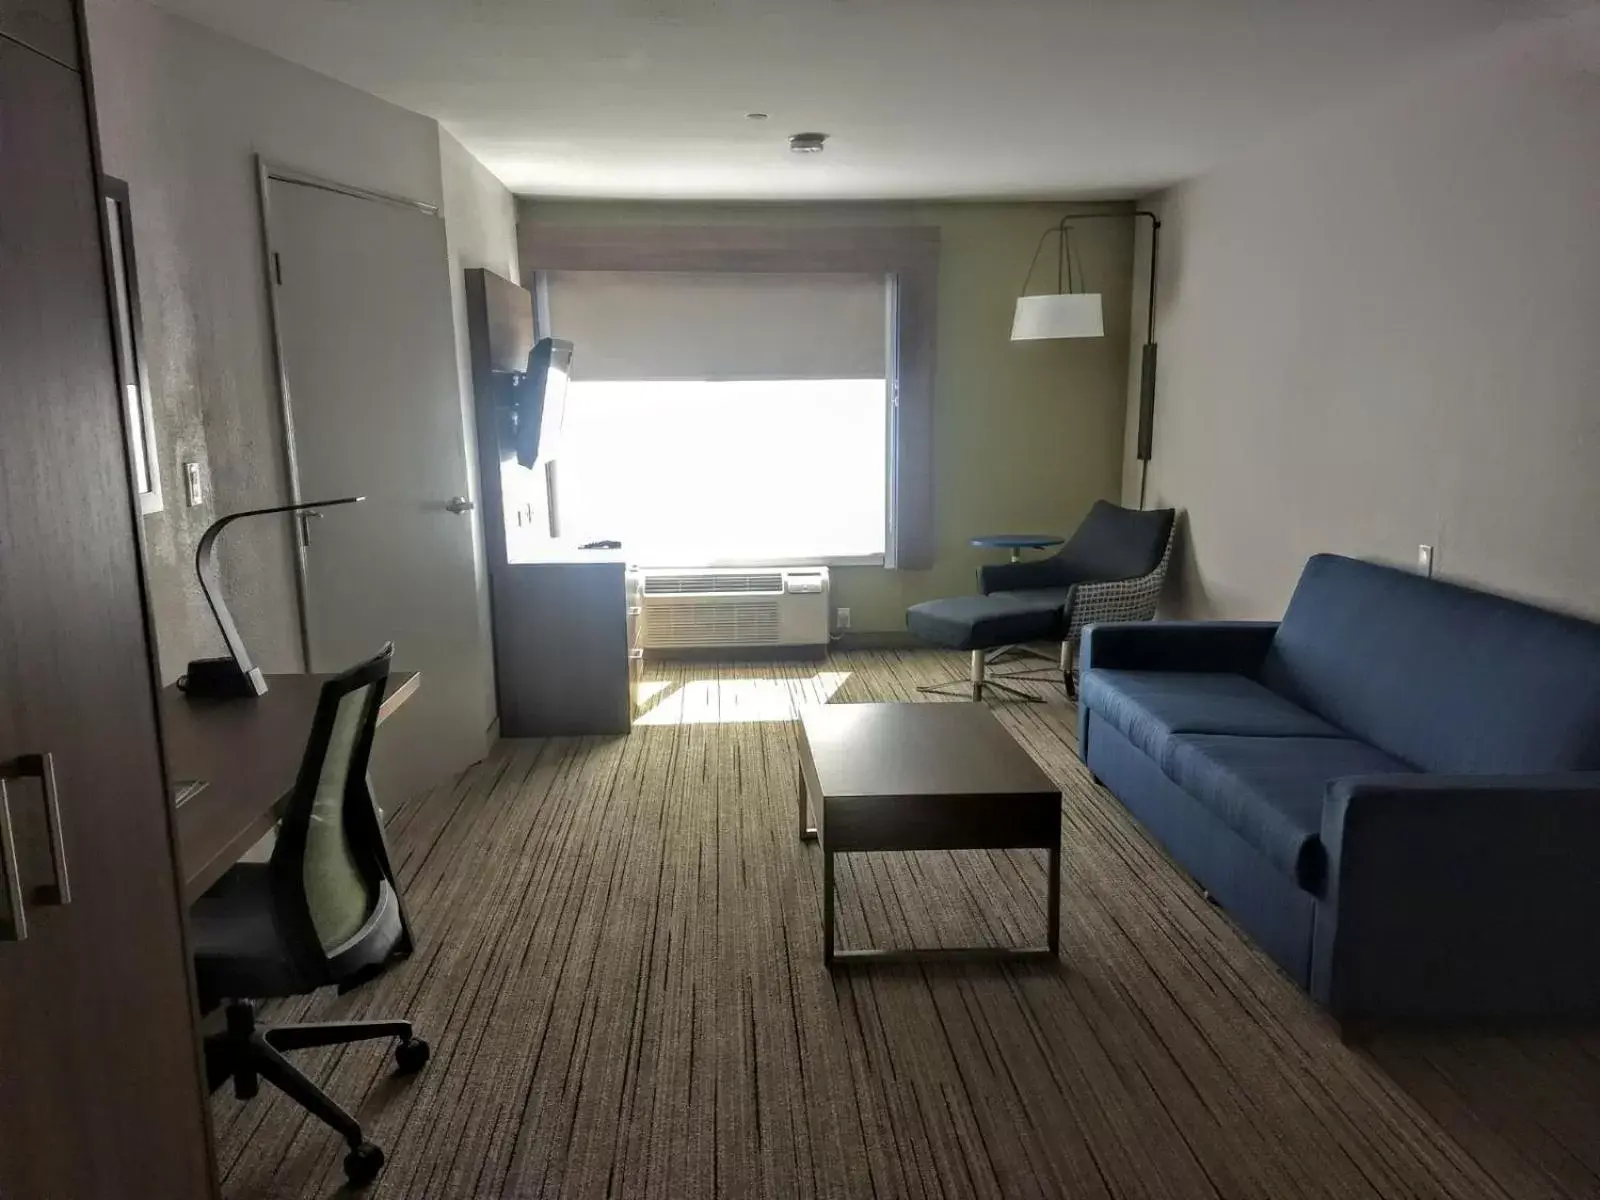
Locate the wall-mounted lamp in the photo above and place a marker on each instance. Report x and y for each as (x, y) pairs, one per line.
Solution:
(1069, 312)
(1073, 313)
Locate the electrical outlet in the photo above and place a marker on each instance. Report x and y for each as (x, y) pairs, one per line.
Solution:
(192, 491)
(841, 619)
(1425, 560)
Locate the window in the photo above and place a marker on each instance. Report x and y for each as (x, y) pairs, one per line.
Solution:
(727, 472)
(725, 419)
(898, 264)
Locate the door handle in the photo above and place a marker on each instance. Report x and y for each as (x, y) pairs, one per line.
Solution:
(306, 517)
(459, 505)
(14, 921)
(43, 768)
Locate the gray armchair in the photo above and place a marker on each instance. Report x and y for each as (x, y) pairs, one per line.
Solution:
(1112, 569)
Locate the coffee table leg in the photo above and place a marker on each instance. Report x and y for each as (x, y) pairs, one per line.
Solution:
(827, 907)
(808, 832)
(1053, 900)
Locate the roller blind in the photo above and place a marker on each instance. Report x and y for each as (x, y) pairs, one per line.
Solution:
(668, 325)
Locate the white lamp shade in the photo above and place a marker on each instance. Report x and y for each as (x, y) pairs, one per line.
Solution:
(1075, 315)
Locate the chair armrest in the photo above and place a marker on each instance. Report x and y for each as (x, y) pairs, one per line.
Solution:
(1237, 646)
(1021, 576)
(1460, 896)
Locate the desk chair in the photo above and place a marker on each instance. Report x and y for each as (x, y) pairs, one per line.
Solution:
(323, 911)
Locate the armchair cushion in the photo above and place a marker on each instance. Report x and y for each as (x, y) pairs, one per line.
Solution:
(1056, 597)
(1027, 576)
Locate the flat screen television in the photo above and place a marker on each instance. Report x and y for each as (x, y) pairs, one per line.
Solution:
(535, 404)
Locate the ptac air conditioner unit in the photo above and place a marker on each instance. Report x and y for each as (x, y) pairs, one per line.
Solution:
(735, 608)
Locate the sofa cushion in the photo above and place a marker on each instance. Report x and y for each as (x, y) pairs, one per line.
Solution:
(1148, 706)
(982, 622)
(1450, 679)
(1270, 790)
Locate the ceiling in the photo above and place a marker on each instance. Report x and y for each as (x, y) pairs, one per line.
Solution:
(923, 98)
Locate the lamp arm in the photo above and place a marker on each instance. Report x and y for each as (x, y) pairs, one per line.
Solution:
(205, 566)
(1155, 240)
(1148, 359)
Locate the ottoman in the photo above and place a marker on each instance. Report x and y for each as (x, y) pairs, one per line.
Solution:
(982, 623)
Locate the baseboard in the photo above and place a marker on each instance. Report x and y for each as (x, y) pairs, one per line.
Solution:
(738, 654)
(850, 639)
(876, 639)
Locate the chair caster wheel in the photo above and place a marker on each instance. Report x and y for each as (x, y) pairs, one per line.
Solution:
(411, 1055)
(362, 1164)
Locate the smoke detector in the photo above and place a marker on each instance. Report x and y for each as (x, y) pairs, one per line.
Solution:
(808, 143)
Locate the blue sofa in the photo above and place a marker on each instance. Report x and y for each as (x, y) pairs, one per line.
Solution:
(1395, 791)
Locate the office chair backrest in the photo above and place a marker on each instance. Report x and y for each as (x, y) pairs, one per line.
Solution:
(1118, 543)
(328, 883)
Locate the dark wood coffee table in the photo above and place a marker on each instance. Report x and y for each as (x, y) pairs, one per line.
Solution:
(924, 777)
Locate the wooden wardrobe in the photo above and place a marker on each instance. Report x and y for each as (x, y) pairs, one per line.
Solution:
(101, 1093)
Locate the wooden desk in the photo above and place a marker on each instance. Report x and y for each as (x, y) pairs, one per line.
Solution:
(248, 753)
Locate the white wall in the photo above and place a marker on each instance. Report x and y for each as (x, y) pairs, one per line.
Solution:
(183, 112)
(1380, 331)
(480, 223)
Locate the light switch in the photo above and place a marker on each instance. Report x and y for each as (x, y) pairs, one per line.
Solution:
(192, 491)
(1425, 560)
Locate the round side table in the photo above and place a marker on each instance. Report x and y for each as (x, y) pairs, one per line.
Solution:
(1017, 542)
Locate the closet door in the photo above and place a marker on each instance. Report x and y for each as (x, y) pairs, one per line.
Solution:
(100, 1087)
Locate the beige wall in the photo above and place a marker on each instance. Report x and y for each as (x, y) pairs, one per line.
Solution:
(182, 113)
(1380, 332)
(1025, 434)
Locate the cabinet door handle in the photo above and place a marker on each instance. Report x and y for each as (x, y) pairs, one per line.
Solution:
(43, 768)
(14, 921)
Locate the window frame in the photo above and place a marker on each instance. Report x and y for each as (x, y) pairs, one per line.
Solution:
(908, 256)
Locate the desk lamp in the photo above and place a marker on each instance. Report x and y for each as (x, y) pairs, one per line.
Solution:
(234, 676)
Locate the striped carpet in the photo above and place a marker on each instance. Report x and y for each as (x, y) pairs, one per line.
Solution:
(619, 971)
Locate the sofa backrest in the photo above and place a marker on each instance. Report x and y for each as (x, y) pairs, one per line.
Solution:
(1449, 679)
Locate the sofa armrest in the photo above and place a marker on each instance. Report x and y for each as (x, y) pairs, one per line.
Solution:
(1460, 896)
(1237, 646)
